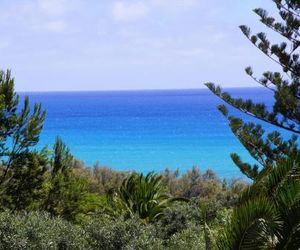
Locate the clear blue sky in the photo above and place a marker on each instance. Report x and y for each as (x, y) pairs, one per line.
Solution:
(119, 44)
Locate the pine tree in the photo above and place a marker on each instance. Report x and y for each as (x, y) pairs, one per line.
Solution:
(21, 167)
(267, 149)
(267, 215)
(25, 186)
(66, 190)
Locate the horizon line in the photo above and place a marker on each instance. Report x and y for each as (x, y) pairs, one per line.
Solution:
(129, 90)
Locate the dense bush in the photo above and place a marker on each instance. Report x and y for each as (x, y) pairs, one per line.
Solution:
(110, 234)
(191, 238)
(37, 230)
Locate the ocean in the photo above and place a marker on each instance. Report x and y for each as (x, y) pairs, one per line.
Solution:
(146, 130)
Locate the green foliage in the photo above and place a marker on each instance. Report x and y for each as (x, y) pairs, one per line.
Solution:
(109, 234)
(268, 214)
(104, 179)
(192, 183)
(195, 184)
(285, 113)
(251, 226)
(178, 227)
(21, 168)
(60, 182)
(143, 196)
(62, 160)
(26, 180)
(175, 220)
(208, 238)
(20, 129)
(67, 192)
(148, 239)
(39, 231)
(191, 238)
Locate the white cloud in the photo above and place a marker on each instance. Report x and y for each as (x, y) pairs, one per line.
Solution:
(125, 10)
(39, 15)
(52, 7)
(129, 11)
(172, 4)
(4, 44)
(55, 26)
(194, 52)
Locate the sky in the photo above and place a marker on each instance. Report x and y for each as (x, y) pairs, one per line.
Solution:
(73, 45)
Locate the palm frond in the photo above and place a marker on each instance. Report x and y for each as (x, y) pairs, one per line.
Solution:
(251, 226)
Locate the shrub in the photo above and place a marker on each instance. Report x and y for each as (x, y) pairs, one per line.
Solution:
(109, 234)
(37, 230)
(148, 238)
(191, 238)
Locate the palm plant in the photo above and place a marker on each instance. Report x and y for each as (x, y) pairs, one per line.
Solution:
(142, 195)
(268, 214)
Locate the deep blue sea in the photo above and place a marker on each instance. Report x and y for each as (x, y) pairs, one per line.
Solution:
(145, 130)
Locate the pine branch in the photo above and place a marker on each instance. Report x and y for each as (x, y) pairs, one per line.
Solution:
(264, 47)
(242, 107)
(286, 8)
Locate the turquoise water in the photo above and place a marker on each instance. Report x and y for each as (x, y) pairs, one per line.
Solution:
(145, 130)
